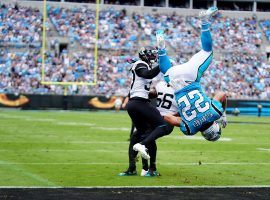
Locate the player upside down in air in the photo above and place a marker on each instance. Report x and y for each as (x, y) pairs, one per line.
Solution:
(197, 111)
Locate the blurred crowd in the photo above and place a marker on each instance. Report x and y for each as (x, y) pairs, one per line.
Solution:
(265, 25)
(233, 34)
(181, 37)
(116, 29)
(20, 72)
(241, 70)
(240, 75)
(20, 26)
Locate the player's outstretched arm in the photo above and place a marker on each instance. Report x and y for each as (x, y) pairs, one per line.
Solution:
(222, 98)
(172, 119)
(144, 72)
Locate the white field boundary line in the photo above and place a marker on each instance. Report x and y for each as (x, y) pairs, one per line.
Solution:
(169, 164)
(138, 187)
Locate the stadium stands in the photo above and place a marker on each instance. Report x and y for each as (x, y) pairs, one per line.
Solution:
(20, 26)
(265, 25)
(233, 34)
(240, 67)
(116, 29)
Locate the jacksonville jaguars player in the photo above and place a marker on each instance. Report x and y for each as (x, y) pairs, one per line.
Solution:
(197, 111)
(139, 107)
(165, 104)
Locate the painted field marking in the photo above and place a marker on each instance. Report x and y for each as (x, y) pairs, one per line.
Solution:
(121, 151)
(74, 124)
(194, 137)
(135, 187)
(169, 164)
(263, 149)
(26, 173)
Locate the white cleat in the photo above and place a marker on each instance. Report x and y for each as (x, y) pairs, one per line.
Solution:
(160, 39)
(144, 172)
(141, 148)
(206, 15)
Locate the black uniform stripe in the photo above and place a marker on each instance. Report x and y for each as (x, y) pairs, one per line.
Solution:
(215, 108)
(133, 78)
(188, 130)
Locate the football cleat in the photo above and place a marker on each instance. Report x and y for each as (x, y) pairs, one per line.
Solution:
(152, 173)
(206, 15)
(143, 172)
(142, 149)
(128, 173)
(160, 39)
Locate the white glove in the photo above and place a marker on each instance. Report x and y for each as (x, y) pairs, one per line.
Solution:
(223, 120)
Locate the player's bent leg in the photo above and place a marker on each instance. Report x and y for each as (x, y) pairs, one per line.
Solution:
(206, 38)
(199, 63)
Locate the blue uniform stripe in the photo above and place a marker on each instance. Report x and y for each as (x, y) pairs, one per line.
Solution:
(204, 67)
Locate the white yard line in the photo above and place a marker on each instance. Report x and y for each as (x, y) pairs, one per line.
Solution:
(121, 151)
(263, 149)
(108, 163)
(62, 123)
(181, 137)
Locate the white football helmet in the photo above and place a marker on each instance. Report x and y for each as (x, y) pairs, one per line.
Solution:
(213, 132)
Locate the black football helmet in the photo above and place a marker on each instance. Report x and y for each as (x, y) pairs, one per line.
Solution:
(148, 55)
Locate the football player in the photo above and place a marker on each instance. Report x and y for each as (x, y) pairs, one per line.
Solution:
(139, 107)
(165, 104)
(197, 111)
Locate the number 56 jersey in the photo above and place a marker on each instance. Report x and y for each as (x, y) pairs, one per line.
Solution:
(165, 100)
(196, 109)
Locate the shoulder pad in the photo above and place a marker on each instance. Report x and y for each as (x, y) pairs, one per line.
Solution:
(139, 62)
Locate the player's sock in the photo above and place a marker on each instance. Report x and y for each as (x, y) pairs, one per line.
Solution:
(152, 149)
(131, 153)
(145, 164)
(206, 38)
(163, 61)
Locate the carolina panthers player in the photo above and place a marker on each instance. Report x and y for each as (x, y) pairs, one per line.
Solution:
(197, 111)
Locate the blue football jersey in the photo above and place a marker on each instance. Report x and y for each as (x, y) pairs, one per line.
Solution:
(196, 109)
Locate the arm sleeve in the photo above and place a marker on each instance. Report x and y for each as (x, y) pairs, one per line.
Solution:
(142, 71)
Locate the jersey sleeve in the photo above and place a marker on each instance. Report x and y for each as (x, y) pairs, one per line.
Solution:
(142, 71)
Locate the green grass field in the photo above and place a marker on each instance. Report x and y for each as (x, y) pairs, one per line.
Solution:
(55, 148)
